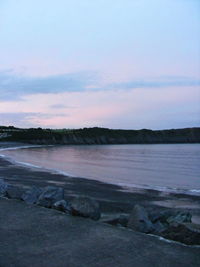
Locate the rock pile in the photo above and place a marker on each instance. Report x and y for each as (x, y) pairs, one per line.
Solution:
(49, 196)
(170, 224)
(85, 207)
(174, 225)
(52, 197)
(31, 196)
(139, 220)
(3, 188)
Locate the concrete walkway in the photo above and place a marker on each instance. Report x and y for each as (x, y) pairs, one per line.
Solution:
(32, 236)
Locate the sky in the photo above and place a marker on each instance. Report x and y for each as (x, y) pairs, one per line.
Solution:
(128, 64)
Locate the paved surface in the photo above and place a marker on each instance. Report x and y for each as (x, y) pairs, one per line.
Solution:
(32, 236)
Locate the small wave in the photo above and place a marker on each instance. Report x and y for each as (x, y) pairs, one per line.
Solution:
(33, 166)
(53, 171)
(131, 187)
(23, 147)
(195, 190)
(63, 173)
(30, 165)
(27, 164)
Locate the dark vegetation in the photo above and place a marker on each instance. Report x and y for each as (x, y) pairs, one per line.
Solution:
(98, 135)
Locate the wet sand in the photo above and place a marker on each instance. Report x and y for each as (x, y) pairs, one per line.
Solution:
(113, 199)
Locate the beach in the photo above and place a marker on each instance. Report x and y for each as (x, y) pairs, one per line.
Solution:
(32, 235)
(113, 199)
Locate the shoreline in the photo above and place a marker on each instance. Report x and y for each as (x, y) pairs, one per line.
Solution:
(124, 187)
(113, 199)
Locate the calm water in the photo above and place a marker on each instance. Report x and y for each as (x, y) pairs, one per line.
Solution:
(154, 166)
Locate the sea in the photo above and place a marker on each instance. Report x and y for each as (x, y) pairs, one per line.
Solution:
(164, 167)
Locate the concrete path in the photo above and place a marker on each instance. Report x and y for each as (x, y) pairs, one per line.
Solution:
(32, 236)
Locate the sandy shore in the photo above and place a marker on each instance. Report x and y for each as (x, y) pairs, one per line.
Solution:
(113, 199)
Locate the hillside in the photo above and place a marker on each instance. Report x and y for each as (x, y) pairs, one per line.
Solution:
(98, 135)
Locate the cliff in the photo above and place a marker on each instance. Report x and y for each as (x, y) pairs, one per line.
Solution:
(98, 135)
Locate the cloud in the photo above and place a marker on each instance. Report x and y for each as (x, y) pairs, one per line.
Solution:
(10, 118)
(159, 82)
(133, 108)
(26, 119)
(61, 106)
(15, 87)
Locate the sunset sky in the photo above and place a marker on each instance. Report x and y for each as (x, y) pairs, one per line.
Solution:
(127, 64)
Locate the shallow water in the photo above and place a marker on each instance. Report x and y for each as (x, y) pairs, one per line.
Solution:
(156, 166)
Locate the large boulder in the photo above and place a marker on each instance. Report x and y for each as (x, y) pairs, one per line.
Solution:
(31, 196)
(180, 217)
(182, 233)
(50, 195)
(85, 207)
(3, 188)
(61, 205)
(139, 220)
(170, 216)
(159, 227)
(15, 192)
(163, 220)
(161, 216)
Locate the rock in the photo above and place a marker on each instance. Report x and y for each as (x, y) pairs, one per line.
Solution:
(61, 205)
(50, 195)
(85, 207)
(160, 216)
(15, 192)
(180, 217)
(183, 234)
(159, 227)
(169, 216)
(139, 220)
(31, 196)
(3, 188)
